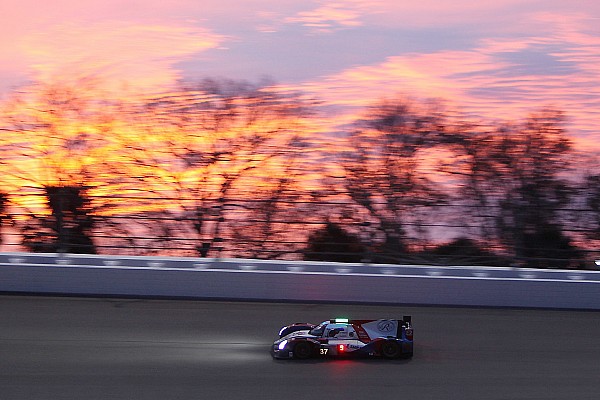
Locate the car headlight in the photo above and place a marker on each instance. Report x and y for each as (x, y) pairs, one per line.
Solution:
(282, 345)
(281, 330)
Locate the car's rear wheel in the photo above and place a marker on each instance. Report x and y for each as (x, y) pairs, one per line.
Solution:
(302, 350)
(391, 349)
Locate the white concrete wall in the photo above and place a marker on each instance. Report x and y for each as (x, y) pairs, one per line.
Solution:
(246, 279)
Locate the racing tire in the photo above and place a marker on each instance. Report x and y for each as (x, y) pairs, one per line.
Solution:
(302, 350)
(390, 349)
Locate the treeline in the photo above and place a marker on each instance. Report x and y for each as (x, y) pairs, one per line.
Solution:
(230, 169)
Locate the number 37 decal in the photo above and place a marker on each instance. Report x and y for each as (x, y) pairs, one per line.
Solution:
(323, 351)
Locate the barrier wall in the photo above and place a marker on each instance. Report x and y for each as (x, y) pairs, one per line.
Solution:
(248, 279)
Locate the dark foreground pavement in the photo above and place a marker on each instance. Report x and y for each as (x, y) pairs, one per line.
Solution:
(74, 348)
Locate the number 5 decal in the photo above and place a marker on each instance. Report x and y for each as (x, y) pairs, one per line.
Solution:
(323, 351)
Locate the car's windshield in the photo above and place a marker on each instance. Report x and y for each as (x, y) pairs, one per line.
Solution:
(318, 330)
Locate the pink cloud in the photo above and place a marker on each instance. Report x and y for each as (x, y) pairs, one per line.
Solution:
(137, 56)
(35, 31)
(330, 16)
(470, 15)
(498, 79)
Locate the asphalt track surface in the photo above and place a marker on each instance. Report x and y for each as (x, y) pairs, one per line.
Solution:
(82, 348)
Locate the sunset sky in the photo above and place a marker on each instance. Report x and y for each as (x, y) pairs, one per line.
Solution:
(497, 59)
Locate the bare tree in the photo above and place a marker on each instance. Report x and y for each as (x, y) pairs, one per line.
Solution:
(213, 150)
(3, 214)
(514, 177)
(384, 174)
(587, 215)
(591, 189)
(68, 228)
(53, 151)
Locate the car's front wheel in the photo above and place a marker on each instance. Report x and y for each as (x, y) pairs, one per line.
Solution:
(302, 350)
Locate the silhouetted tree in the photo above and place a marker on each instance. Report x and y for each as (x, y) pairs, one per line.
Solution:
(464, 251)
(274, 225)
(59, 142)
(514, 176)
(587, 215)
(216, 149)
(332, 243)
(67, 229)
(383, 173)
(591, 195)
(3, 213)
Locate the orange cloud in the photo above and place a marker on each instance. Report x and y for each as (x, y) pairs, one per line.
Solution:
(139, 57)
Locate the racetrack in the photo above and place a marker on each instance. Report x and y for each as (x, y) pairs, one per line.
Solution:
(83, 348)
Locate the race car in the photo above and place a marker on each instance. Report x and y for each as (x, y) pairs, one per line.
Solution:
(342, 337)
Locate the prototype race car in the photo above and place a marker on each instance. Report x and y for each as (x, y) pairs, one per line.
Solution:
(388, 338)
